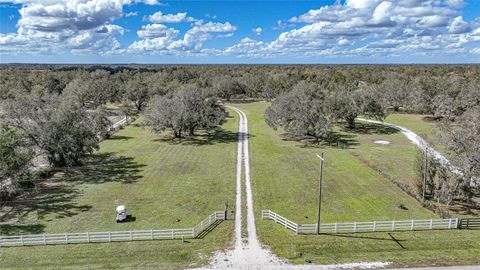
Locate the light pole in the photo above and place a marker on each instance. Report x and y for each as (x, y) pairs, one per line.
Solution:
(320, 193)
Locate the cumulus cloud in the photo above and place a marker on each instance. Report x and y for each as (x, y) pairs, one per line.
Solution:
(257, 31)
(131, 14)
(455, 3)
(159, 39)
(159, 17)
(459, 26)
(53, 25)
(350, 27)
(157, 30)
(370, 27)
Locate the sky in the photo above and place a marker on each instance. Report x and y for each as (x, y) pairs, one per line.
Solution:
(228, 31)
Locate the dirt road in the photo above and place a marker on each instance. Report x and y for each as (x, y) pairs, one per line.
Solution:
(248, 253)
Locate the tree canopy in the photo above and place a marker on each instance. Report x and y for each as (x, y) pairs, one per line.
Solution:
(185, 110)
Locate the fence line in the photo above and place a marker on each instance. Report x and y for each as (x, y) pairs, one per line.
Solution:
(372, 226)
(110, 236)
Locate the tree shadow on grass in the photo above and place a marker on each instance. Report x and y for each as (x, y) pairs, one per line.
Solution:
(42, 204)
(334, 139)
(119, 138)
(341, 137)
(370, 128)
(9, 229)
(430, 118)
(55, 198)
(210, 137)
(105, 167)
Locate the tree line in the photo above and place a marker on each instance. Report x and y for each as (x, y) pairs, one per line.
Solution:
(58, 110)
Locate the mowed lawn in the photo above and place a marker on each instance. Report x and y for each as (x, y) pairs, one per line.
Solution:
(285, 180)
(163, 183)
(422, 125)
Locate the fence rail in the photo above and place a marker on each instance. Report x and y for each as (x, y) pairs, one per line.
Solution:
(372, 226)
(469, 223)
(113, 236)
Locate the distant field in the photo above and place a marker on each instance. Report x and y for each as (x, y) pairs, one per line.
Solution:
(164, 184)
(285, 179)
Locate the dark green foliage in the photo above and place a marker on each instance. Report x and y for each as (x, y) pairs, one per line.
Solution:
(313, 111)
(15, 158)
(303, 111)
(59, 126)
(186, 110)
(462, 139)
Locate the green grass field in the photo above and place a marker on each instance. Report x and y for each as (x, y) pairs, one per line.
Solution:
(163, 183)
(285, 179)
(422, 125)
(171, 184)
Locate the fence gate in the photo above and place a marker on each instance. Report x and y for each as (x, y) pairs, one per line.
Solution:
(469, 223)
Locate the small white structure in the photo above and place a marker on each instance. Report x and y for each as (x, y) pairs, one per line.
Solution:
(382, 142)
(121, 213)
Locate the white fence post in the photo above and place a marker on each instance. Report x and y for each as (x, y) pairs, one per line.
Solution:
(336, 227)
(45, 239)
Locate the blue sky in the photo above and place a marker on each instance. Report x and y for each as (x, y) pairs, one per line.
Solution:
(151, 31)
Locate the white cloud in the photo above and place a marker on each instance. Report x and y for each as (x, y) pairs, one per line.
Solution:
(349, 28)
(131, 14)
(54, 25)
(370, 27)
(149, 2)
(281, 25)
(455, 3)
(157, 30)
(257, 31)
(459, 26)
(159, 39)
(159, 17)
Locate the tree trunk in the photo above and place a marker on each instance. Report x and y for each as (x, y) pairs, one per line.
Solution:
(351, 122)
(139, 105)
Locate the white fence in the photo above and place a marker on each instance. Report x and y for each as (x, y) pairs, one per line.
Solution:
(372, 226)
(115, 236)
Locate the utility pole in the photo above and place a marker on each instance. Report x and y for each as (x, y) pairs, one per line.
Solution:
(320, 193)
(425, 174)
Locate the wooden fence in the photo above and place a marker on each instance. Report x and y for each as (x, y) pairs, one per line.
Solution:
(469, 223)
(113, 236)
(354, 227)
